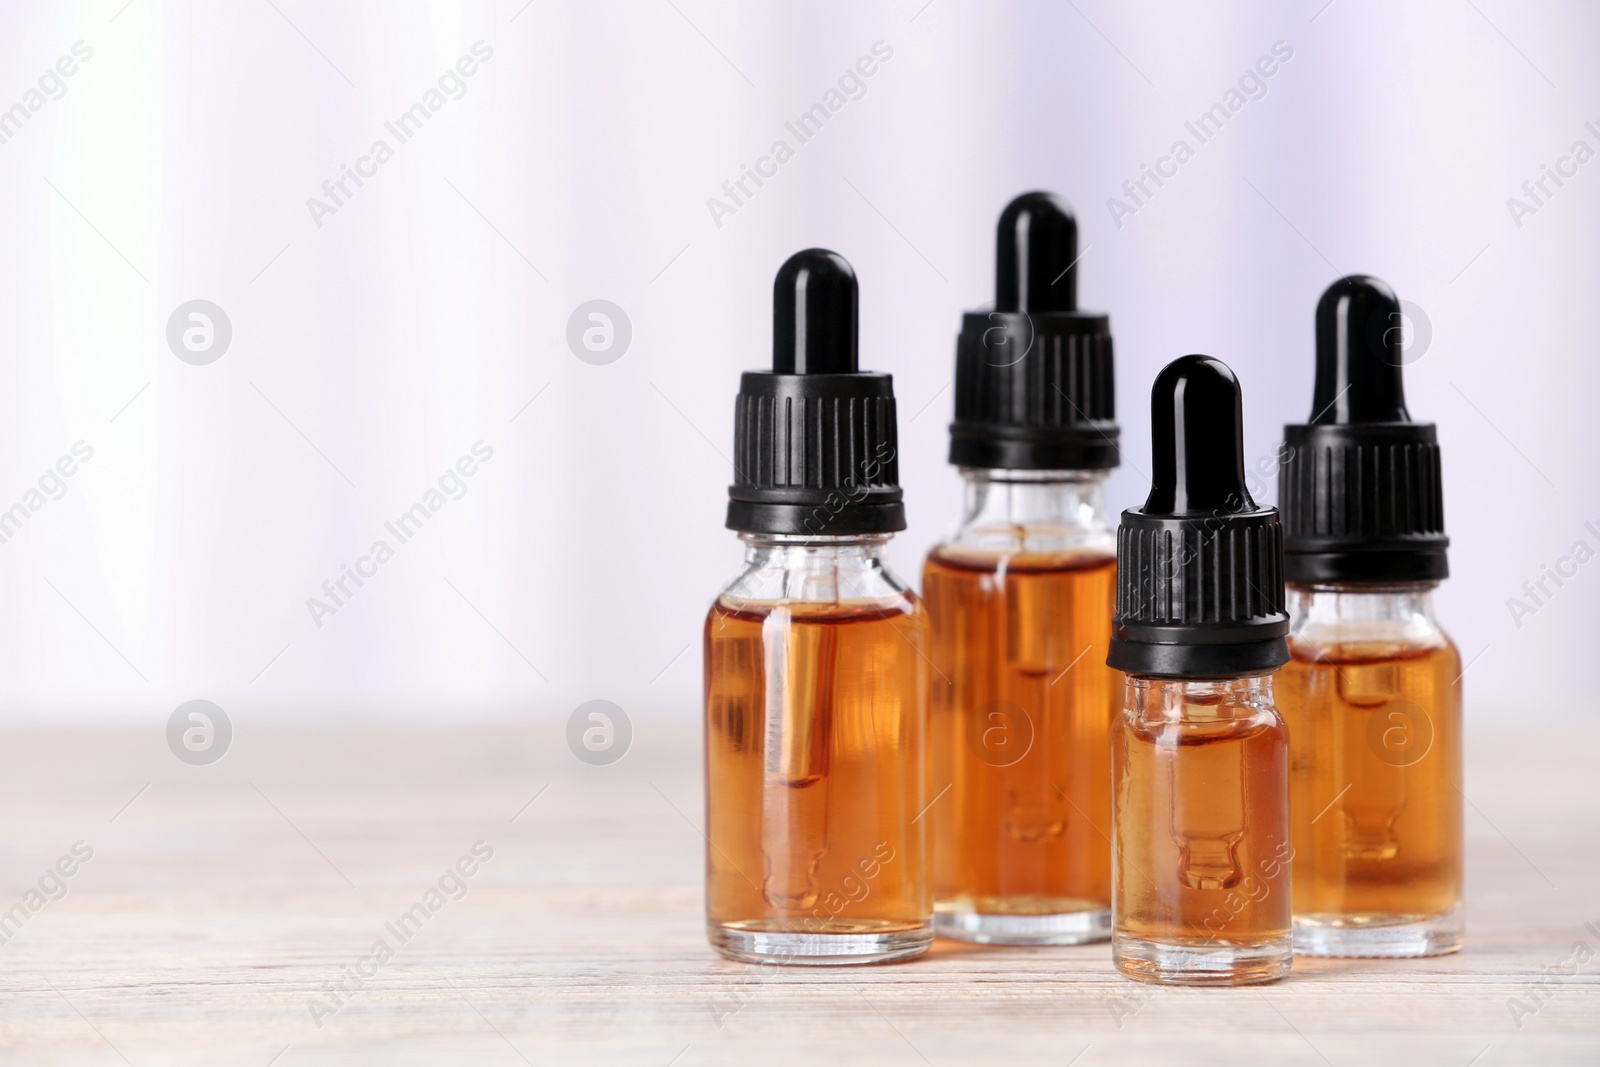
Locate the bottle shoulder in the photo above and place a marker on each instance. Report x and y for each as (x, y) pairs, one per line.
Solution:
(818, 586)
(1364, 641)
(1197, 711)
(1190, 725)
(1024, 548)
(1016, 513)
(1182, 730)
(903, 610)
(1364, 626)
(1338, 645)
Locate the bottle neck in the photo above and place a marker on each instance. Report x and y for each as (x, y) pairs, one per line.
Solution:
(1034, 511)
(1200, 699)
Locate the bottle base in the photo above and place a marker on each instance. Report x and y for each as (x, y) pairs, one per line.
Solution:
(777, 942)
(1380, 936)
(960, 922)
(1196, 962)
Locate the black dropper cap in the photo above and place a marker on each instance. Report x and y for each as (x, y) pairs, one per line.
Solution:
(1360, 486)
(814, 438)
(1200, 566)
(1034, 376)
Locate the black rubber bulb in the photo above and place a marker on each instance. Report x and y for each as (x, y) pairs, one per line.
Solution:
(1197, 440)
(1359, 353)
(1036, 245)
(814, 301)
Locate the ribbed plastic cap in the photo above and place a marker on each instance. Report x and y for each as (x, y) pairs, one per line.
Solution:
(814, 444)
(1360, 486)
(1200, 565)
(1034, 376)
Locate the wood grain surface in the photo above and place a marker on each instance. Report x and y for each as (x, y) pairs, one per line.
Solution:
(232, 913)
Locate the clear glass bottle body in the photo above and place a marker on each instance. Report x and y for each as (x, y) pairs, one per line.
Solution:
(1373, 701)
(1021, 598)
(1200, 838)
(816, 709)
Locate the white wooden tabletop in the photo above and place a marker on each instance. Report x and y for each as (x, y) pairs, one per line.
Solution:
(223, 908)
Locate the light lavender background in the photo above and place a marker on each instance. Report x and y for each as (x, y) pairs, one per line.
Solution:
(371, 352)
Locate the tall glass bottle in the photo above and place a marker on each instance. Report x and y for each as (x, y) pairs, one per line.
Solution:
(816, 660)
(1373, 692)
(1020, 597)
(1200, 824)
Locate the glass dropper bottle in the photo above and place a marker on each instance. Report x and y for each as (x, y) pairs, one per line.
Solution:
(1200, 823)
(816, 659)
(1372, 694)
(1020, 597)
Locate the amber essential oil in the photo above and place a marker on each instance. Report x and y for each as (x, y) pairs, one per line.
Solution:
(1022, 725)
(1203, 837)
(813, 736)
(1375, 784)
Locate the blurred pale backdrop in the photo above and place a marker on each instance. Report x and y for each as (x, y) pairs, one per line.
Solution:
(400, 319)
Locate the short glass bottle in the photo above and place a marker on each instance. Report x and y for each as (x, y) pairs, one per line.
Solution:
(1201, 877)
(816, 704)
(1202, 848)
(1021, 597)
(1373, 700)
